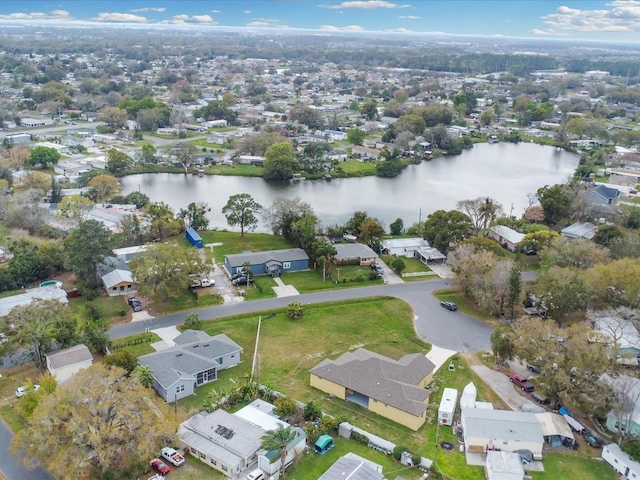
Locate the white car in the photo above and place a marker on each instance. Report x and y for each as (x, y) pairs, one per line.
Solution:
(203, 282)
(22, 391)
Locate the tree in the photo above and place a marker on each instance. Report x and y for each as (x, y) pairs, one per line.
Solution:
(286, 407)
(97, 422)
(486, 117)
(195, 216)
(39, 181)
(616, 283)
(398, 265)
(44, 156)
(311, 411)
(369, 109)
(148, 153)
(607, 234)
(303, 231)
(280, 162)
(241, 209)
(85, 247)
(34, 327)
(284, 212)
(397, 227)
(482, 211)
(502, 344)
(56, 192)
(515, 289)
(192, 321)
(442, 229)
(561, 291)
(95, 334)
(113, 116)
(278, 439)
(17, 157)
(539, 240)
(117, 161)
(144, 374)
(578, 253)
(163, 269)
(123, 359)
(555, 202)
(162, 221)
(356, 136)
(103, 187)
(324, 254)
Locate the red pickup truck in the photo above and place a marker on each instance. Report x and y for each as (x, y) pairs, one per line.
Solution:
(522, 382)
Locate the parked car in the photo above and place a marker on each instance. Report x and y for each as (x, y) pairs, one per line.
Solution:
(591, 440)
(136, 304)
(172, 456)
(378, 268)
(529, 250)
(449, 306)
(203, 283)
(238, 274)
(243, 281)
(533, 368)
(522, 382)
(22, 391)
(159, 466)
(540, 398)
(526, 456)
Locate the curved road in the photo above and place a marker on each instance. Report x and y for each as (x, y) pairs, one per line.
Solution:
(434, 324)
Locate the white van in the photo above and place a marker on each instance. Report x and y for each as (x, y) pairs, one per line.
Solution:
(257, 474)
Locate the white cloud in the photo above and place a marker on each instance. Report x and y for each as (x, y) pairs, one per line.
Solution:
(247, 12)
(266, 23)
(399, 30)
(119, 18)
(622, 16)
(365, 5)
(215, 11)
(58, 15)
(148, 9)
(352, 28)
(536, 31)
(201, 19)
(409, 17)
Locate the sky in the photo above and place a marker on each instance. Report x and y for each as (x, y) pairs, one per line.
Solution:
(611, 21)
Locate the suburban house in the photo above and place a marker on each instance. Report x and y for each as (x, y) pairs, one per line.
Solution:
(116, 277)
(194, 360)
(623, 334)
(271, 262)
(230, 442)
(403, 247)
(505, 236)
(365, 153)
(579, 230)
(51, 292)
(65, 363)
(486, 430)
(353, 467)
(625, 416)
(352, 252)
(603, 202)
(395, 389)
(503, 466)
(621, 462)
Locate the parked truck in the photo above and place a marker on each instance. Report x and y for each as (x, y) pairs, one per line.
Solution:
(194, 237)
(172, 456)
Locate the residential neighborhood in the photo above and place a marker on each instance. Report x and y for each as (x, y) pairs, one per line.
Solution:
(231, 253)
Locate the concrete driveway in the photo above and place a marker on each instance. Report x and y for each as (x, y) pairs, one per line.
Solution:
(500, 383)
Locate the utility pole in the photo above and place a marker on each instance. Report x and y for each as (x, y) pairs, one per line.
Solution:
(255, 351)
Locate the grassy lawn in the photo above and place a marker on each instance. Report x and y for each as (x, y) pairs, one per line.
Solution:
(14, 377)
(261, 288)
(194, 469)
(574, 465)
(187, 300)
(139, 344)
(114, 308)
(312, 465)
(236, 170)
(452, 295)
(232, 242)
(355, 168)
(345, 277)
(11, 418)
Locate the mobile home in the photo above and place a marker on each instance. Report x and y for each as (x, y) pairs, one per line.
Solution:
(621, 462)
(447, 406)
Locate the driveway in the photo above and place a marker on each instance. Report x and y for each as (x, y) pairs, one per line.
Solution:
(500, 383)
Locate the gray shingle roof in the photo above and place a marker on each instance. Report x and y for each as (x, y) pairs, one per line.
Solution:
(69, 356)
(392, 382)
(259, 258)
(354, 250)
(185, 360)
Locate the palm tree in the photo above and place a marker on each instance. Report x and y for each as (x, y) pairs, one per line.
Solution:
(278, 439)
(489, 211)
(325, 254)
(144, 374)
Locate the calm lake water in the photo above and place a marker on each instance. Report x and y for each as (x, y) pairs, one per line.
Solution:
(504, 171)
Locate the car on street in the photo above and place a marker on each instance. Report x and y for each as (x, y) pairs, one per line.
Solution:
(540, 398)
(159, 466)
(135, 304)
(22, 391)
(203, 283)
(522, 382)
(242, 281)
(449, 306)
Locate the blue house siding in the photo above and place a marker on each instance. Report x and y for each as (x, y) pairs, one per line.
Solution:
(289, 260)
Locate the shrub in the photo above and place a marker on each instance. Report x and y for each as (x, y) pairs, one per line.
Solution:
(359, 278)
(397, 451)
(311, 411)
(92, 311)
(295, 311)
(193, 322)
(360, 438)
(373, 275)
(329, 424)
(398, 265)
(285, 407)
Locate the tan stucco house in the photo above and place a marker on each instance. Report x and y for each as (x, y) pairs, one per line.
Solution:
(395, 389)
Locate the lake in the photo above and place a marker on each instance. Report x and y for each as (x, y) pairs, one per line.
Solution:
(504, 171)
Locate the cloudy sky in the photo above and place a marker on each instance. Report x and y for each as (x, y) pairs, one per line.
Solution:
(615, 21)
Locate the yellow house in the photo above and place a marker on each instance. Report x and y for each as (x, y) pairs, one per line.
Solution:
(395, 389)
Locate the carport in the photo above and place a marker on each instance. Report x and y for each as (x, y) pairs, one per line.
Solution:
(554, 428)
(358, 398)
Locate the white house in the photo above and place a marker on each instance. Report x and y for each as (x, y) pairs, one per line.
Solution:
(403, 247)
(505, 236)
(621, 462)
(65, 363)
(32, 295)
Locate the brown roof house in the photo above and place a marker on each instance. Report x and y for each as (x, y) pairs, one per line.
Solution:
(65, 363)
(395, 389)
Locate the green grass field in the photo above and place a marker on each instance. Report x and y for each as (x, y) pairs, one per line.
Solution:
(233, 242)
(574, 465)
(452, 295)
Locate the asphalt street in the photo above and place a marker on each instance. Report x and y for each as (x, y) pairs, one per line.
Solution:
(9, 466)
(434, 324)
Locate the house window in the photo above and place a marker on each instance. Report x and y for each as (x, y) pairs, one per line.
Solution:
(114, 288)
(180, 388)
(128, 286)
(193, 450)
(203, 456)
(213, 462)
(286, 265)
(224, 469)
(620, 426)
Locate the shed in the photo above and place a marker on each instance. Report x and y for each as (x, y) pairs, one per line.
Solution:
(65, 363)
(323, 444)
(194, 237)
(468, 397)
(503, 466)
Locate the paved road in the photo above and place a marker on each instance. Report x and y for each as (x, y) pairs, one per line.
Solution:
(9, 466)
(500, 383)
(451, 330)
